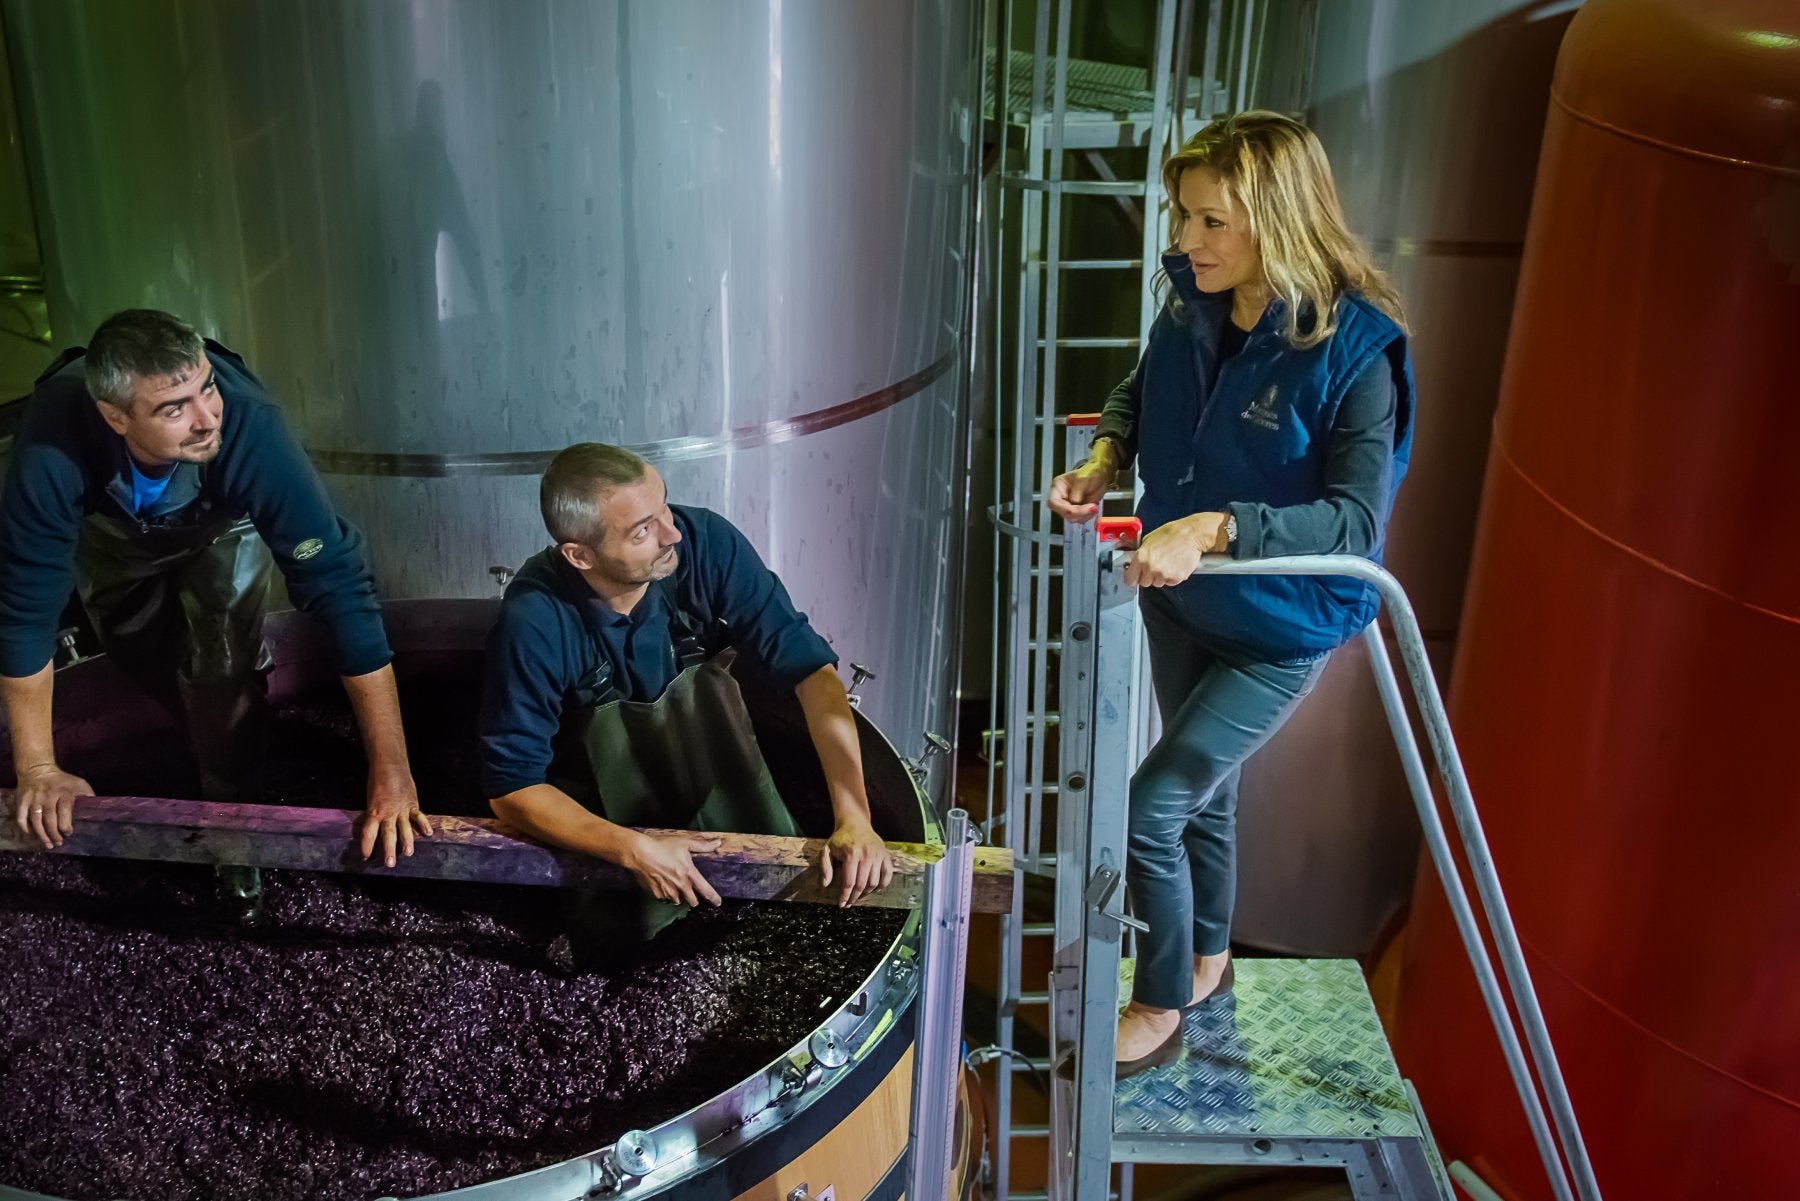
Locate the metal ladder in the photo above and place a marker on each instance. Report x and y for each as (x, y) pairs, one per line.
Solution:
(1072, 106)
(1294, 1070)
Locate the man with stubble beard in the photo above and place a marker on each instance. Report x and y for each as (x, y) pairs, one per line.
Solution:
(609, 702)
(154, 476)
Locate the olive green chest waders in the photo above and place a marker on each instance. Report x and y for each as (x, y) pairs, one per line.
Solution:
(179, 606)
(687, 760)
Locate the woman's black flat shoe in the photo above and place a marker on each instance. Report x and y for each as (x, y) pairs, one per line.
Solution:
(1165, 1052)
(1221, 991)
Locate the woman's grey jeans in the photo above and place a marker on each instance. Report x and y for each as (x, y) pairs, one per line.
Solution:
(1182, 862)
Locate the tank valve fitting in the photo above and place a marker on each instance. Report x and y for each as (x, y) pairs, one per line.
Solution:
(858, 674)
(635, 1153)
(828, 1049)
(935, 745)
(65, 640)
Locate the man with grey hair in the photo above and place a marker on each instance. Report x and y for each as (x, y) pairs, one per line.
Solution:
(608, 702)
(154, 475)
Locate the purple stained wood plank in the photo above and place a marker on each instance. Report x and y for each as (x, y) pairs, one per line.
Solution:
(750, 866)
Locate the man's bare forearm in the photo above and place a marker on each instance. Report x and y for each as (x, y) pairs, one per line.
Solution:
(28, 717)
(44, 803)
(376, 702)
(548, 814)
(833, 730)
(662, 863)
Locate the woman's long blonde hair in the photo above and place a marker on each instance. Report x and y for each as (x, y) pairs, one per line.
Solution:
(1273, 170)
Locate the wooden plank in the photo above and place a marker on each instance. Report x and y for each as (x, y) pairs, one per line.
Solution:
(752, 866)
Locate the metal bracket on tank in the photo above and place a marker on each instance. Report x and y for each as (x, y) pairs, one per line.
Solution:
(798, 1076)
(66, 642)
(935, 745)
(633, 1157)
(611, 1178)
(903, 972)
(858, 674)
(826, 1052)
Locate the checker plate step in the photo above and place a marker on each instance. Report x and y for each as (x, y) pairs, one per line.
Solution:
(1296, 1052)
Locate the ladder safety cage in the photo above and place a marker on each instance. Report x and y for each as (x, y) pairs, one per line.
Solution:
(1047, 108)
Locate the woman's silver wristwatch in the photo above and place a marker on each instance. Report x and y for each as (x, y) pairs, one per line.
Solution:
(1230, 532)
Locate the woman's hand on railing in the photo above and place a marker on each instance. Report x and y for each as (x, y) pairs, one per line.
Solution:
(1171, 553)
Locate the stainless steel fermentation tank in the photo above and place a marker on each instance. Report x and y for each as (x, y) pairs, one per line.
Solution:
(456, 236)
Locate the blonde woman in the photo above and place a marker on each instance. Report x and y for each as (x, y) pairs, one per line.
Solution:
(1271, 414)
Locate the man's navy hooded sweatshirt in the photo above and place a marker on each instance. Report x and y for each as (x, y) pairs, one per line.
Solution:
(67, 463)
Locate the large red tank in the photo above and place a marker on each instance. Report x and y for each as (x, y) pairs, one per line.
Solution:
(1627, 693)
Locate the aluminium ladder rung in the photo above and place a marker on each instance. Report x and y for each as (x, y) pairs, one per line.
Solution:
(1097, 343)
(1131, 188)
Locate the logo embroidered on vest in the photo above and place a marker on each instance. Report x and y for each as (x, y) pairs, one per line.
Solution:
(1263, 411)
(308, 549)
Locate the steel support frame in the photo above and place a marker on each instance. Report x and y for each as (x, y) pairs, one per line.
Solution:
(1086, 997)
(1098, 687)
(937, 1064)
(1375, 1168)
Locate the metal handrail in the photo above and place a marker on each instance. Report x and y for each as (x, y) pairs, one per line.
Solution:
(937, 1068)
(999, 514)
(1468, 823)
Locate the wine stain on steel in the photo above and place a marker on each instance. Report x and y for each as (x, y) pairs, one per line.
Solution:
(375, 1036)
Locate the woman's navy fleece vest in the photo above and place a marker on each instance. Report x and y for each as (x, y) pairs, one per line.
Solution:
(1259, 434)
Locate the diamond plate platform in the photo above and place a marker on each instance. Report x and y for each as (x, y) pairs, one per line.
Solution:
(1107, 104)
(1296, 1054)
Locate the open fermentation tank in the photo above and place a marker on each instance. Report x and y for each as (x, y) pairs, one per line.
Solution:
(829, 1106)
(455, 237)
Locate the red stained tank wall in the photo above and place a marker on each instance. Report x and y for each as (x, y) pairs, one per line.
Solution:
(1627, 690)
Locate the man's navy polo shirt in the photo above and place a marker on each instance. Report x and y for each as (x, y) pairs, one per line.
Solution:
(552, 628)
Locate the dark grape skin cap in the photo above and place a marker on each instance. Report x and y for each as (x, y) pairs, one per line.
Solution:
(374, 1037)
